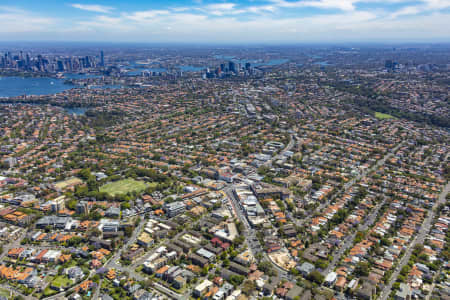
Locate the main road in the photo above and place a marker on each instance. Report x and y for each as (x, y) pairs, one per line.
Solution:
(250, 233)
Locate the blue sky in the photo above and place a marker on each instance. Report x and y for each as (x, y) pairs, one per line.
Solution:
(220, 21)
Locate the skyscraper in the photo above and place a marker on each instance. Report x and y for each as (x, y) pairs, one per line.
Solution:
(60, 65)
(232, 66)
(388, 64)
(102, 59)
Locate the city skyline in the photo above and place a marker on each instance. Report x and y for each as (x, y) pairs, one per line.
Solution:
(227, 22)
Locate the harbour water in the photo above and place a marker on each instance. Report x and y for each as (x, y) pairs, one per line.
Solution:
(18, 86)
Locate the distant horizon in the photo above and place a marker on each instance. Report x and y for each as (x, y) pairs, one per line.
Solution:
(227, 22)
(231, 45)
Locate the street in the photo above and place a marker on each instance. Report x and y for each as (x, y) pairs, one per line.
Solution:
(418, 240)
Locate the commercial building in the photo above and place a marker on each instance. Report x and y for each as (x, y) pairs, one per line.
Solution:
(202, 288)
(58, 204)
(175, 208)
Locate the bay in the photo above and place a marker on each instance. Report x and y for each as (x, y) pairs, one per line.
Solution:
(13, 86)
(18, 86)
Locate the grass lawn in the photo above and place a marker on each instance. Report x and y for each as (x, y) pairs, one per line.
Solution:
(4, 293)
(61, 281)
(48, 292)
(382, 116)
(123, 187)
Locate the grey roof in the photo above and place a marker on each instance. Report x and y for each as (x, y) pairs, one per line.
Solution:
(306, 267)
(106, 297)
(174, 205)
(205, 253)
(294, 292)
(404, 291)
(52, 220)
(113, 210)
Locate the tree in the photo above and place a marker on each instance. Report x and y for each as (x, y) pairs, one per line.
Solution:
(95, 215)
(236, 279)
(128, 231)
(359, 236)
(86, 175)
(265, 266)
(92, 184)
(239, 240)
(71, 204)
(294, 272)
(263, 170)
(362, 269)
(147, 283)
(226, 262)
(95, 232)
(258, 256)
(248, 287)
(74, 241)
(321, 264)
(316, 277)
(125, 205)
(96, 278)
(239, 226)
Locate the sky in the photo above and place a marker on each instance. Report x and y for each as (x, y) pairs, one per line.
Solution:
(226, 22)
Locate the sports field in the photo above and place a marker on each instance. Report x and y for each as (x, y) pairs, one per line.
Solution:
(123, 187)
(382, 116)
(67, 183)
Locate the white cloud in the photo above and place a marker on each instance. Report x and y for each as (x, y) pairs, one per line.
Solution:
(103, 24)
(427, 6)
(261, 9)
(437, 4)
(93, 8)
(180, 9)
(221, 6)
(144, 16)
(230, 22)
(408, 10)
(346, 5)
(220, 9)
(224, 9)
(349, 5)
(14, 20)
(339, 27)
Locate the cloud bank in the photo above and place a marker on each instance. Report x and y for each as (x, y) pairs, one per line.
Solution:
(270, 21)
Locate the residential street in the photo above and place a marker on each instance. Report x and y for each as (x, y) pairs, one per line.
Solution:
(419, 239)
(348, 241)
